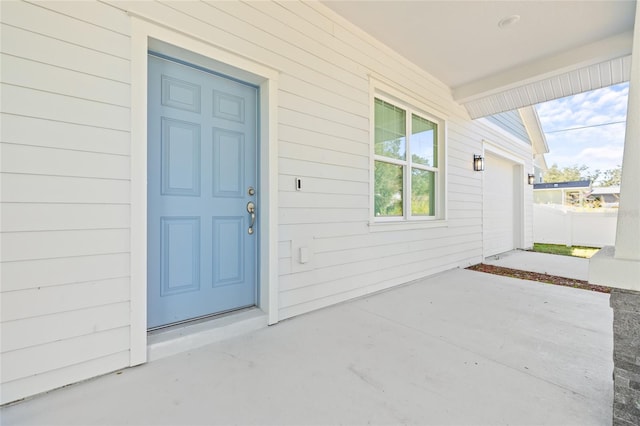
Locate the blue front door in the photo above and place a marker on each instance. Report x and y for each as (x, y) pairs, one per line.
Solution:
(201, 239)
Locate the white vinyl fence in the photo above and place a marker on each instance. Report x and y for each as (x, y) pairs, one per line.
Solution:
(554, 224)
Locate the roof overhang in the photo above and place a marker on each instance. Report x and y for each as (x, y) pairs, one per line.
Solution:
(531, 122)
(557, 49)
(547, 80)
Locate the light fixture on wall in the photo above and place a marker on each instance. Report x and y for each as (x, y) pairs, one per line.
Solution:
(478, 162)
(531, 178)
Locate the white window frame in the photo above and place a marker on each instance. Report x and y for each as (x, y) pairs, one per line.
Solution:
(412, 107)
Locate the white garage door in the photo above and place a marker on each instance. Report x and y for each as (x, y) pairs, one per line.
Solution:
(499, 213)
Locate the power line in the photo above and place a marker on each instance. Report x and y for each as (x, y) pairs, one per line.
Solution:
(586, 127)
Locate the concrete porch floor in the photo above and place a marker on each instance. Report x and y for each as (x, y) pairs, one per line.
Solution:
(462, 347)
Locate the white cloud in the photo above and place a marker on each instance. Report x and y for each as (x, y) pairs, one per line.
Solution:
(601, 158)
(596, 147)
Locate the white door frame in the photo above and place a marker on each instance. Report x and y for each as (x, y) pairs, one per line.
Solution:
(143, 36)
(519, 188)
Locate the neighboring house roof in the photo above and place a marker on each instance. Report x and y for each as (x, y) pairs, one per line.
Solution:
(601, 190)
(559, 185)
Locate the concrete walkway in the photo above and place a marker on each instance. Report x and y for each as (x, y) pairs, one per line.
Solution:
(552, 264)
(462, 347)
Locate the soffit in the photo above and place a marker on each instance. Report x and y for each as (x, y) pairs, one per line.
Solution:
(557, 48)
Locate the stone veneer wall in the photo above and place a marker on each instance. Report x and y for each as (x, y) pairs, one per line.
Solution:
(626, 357)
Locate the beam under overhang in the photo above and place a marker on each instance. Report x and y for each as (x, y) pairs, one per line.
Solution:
(585, 56)
(600, 64)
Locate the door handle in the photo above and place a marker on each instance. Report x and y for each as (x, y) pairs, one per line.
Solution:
(251, 208)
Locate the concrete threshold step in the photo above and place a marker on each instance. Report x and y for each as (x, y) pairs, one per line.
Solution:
(182, 338)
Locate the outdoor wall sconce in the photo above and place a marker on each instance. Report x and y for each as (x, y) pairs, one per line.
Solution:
(531, 179)
(478, 162)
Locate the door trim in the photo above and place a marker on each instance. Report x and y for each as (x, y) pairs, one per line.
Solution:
(146, 35)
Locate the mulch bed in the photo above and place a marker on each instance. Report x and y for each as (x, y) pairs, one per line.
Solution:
(535, 276)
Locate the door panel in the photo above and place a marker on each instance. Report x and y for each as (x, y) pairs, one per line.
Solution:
(180, 167)
(180, 255)
(202, 142)
(227, 250)
(180, 94)
(228, 153)
(498, 212)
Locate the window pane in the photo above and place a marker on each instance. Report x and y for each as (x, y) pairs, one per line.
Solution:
(424, 144)
(388, 189)
(423, 192)
(390, 130)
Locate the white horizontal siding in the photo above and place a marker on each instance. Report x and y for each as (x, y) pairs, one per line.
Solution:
(40, 20)
(328, 281)
(68, 297)
(29, 217)
(327, 230)
(287, 183)
(39, 359)
(65, 170)
(39, 273)
(295, 167)
(312, 138)
(323, 156)
(210, 23)
(304, 199)
(428, 237)
(28, 73)
(376, 281)
(298, 42)
(55, 134)
(312, 215)
(25, 188)
(34, 331)
(17, 389)
(65, 176)
(29, 44)
(92, 12)
(332, 112)
(51, 244)
(236, 17)
(37, 160)
(310, 90)
(306, 120)
(52, 106)
(344, 257)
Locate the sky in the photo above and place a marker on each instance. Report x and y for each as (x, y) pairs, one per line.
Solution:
(597, 147)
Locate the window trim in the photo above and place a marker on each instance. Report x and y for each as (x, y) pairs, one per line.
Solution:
(412, 106)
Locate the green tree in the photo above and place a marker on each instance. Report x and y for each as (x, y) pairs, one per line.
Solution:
(389, 178)
(612, 177)
(422, 192)
(570, 174)
(388, 192)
